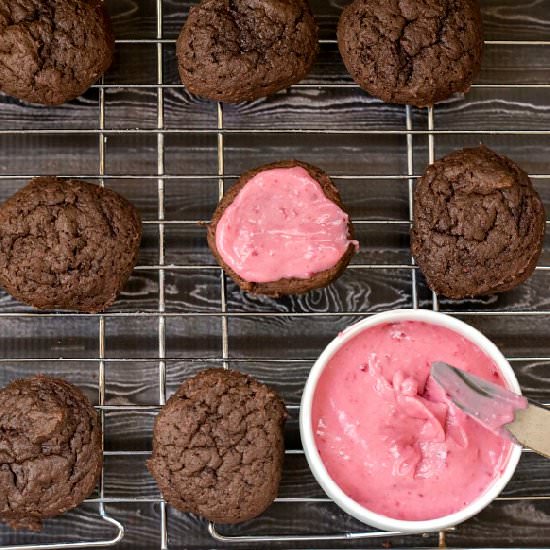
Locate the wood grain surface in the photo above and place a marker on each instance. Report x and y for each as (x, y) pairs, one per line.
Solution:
(362, 143)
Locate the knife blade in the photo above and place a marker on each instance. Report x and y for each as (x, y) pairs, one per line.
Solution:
(498, 409)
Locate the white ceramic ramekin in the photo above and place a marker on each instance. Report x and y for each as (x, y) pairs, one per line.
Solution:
(317, 467)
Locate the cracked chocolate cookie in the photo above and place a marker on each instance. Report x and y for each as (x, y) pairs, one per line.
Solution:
(478, 224)
(282, 229)
(416, 52)
(50, 450)
(218, 446)
(67, 244)
(52, 51)
(241, 50)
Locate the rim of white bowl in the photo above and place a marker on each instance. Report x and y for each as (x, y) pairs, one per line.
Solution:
(317, 467)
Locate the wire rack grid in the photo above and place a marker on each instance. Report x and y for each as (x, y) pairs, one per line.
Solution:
(350, 535)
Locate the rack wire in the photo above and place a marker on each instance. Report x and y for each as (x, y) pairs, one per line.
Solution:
(161, 315)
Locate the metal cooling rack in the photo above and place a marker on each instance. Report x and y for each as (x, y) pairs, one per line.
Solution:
(218, 538)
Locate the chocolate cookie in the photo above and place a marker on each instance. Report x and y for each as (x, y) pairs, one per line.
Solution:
(478, 224)
(240, 50)
(284, 286)
(411, 51)
(67, 244)
(52, 51)
(50, 450)
(218, 446)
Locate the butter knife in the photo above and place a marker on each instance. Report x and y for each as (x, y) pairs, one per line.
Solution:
(501, 411)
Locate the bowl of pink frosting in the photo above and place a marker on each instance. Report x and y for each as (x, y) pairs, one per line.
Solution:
(381, 436)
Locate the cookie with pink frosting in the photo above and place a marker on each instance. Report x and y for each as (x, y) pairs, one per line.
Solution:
(282, 229)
